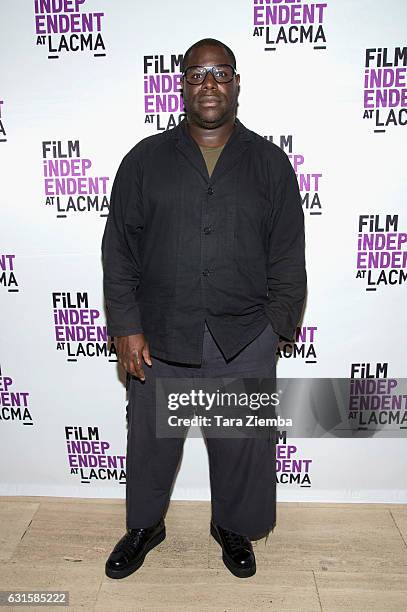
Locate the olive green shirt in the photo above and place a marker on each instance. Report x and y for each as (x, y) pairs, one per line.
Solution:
(211, 156)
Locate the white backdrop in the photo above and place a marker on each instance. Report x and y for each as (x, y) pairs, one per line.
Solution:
(96, 99)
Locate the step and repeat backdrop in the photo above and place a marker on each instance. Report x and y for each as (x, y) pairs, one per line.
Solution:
(82, 81)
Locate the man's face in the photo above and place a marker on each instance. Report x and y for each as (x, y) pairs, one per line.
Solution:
(210, 104)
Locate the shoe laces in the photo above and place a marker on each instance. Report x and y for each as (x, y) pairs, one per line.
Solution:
(236, 540)
(135, 534)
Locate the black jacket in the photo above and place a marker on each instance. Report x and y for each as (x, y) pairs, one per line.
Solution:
(180, 248)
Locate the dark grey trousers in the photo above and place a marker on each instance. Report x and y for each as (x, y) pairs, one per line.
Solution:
(242, 470)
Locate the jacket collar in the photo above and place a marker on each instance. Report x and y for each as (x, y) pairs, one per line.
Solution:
(236, 145)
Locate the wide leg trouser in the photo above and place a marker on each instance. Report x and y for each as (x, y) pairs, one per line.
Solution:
(242, 470)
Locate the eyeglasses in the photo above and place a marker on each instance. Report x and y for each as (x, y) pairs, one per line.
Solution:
(222, 73)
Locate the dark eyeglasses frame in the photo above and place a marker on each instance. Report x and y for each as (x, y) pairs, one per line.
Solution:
(210, 69)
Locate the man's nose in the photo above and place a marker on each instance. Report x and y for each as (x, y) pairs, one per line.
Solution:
(209, 82)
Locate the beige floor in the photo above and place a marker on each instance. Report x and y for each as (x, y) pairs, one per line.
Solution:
(320, 557)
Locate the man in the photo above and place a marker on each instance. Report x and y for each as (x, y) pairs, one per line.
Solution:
(203, 257)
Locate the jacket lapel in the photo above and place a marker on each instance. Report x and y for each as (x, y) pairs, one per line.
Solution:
(190, 150)
(232, 151)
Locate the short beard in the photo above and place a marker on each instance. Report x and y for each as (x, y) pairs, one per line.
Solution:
(209, 125)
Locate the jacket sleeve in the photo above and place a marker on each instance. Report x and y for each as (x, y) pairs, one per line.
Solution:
(286, 274)
(121, 251)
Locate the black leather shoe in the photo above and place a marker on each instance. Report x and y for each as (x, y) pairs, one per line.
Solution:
(129, 553)
(238, 555)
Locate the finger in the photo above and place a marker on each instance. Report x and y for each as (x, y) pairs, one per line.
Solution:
(137, 365)
(129, 367)
(146, 355)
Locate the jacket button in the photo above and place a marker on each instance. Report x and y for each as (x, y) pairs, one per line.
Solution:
(208, 229)
(205, 272)
(210, 190)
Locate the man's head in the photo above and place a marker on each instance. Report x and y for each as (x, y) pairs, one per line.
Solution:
(210, 98)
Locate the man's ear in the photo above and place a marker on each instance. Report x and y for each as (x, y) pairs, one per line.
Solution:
(238, 84)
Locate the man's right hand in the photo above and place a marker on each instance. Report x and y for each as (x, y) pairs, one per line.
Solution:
(130, 351)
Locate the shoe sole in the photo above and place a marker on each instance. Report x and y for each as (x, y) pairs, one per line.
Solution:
(111, 573)
(238, 572)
